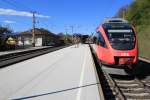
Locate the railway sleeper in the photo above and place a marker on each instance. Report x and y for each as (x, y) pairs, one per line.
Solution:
(135, 90)
(138, 96)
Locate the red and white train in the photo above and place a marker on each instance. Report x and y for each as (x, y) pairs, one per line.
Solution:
(116, 43)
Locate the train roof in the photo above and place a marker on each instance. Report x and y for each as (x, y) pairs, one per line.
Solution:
(115, 20)
(117, 25)
(114, 23)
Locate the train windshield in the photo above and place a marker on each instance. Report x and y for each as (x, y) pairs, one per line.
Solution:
(121, 37)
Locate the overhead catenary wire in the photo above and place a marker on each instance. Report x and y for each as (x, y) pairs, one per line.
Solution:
(17, 5)
(23, 5)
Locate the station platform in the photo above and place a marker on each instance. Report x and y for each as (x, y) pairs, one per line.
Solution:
(65, 74)
(21, 50)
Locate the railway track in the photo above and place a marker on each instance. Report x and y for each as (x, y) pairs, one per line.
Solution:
(13, 58)
(122, 87)
(128, 87)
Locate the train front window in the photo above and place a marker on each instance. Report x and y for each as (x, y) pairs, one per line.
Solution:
(121, 39)
(121, 36)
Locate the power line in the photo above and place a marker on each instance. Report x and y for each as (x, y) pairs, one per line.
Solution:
(16, 5)
(7, 2)
(23, 5)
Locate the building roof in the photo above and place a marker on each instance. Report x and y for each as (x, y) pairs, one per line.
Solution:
(38, 32)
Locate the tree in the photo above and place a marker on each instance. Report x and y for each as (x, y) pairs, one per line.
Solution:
(4, 33)
(65, 37)
(44, 30)
(138, 13)
(122, 12)
(4, 30)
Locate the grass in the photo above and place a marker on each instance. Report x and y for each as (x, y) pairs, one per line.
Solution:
(143, 33)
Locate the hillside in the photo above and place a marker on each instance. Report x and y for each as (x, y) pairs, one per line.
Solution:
(138, 13)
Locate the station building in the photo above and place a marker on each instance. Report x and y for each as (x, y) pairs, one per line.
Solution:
(42, 38)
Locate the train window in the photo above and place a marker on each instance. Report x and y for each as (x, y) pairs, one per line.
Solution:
(101, 40)
(121, 36)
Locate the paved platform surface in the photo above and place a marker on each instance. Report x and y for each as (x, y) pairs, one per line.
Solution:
(21, 50)
(66, 74)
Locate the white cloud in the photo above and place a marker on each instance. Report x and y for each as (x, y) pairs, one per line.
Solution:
(19, 13)
(9, 22)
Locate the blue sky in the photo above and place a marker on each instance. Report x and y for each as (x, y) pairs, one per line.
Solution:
(58, 15)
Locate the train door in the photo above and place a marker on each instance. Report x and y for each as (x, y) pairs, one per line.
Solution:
(102, 48)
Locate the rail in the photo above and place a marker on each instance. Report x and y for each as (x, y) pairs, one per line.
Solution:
(122, 87)
(13, 58)
(144, 59)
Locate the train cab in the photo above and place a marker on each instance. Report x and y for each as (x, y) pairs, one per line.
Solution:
(116, 43)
